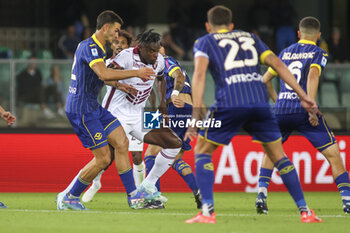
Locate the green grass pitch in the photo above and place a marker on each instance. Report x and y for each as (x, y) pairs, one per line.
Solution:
(36, 212)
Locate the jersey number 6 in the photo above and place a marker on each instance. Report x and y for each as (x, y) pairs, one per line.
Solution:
(295, 69)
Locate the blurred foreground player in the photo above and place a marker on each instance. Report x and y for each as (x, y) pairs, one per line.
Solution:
(94, 125)
(10, 119)
(306, 61)
(233, 58)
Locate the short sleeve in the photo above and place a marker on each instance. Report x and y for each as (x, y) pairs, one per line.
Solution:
(262, 49)
(171, 66)
(161, 65)
(122, 59)
(200, 48)
(319, 61)
(92, 55)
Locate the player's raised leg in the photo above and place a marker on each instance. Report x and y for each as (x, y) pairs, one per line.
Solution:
(180, 166)
(171, 145)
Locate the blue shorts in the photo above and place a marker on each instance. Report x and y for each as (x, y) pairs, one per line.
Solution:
(93, 128)
(180, 114)
(321, 136)
(258, 120)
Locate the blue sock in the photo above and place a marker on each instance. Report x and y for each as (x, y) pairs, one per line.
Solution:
(291, 180)
(205, 177)
(127, 178)
(343, 184)
(265, 177)
(149, 161)
(190, 180)
(79, 186)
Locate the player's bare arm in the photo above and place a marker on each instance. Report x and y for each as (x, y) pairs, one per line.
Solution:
(308, 104)
(198, 80)
(7, 116)
(129, 89)
(179, 82)
(312, 86)
(106, 74)
(267, 79)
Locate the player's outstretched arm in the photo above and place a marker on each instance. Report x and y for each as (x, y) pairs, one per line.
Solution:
(198, 88)
(308, 104)
(267, 79)
(122, 86)
(106, 74)
(7, 116)
(179, 82)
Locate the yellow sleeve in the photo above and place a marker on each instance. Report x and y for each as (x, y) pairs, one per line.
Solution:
(95, 61)
(264, 55)
(272, 71)
(173, 70)
(318, 67)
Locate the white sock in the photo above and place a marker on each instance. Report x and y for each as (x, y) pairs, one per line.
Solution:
(262, 190)
(207, 209)
(139, 173)
(162, 163)
(97, 181)
(70, 186)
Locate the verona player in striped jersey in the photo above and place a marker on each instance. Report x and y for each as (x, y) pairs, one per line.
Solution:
(306, 61)
(135, 147)
(233, 58)
(94, 125)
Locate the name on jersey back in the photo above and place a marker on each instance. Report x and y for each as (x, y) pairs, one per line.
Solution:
(297, 56)
(231, 35)
(243, 78)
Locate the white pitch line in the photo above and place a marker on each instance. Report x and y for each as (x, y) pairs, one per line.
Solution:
(141, 212)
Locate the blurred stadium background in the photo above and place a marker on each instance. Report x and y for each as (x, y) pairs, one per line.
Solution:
(38, 37)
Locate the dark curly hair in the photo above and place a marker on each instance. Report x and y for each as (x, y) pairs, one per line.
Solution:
(148, 37)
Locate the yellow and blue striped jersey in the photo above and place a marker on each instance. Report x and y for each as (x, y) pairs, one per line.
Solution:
(85, 84)
(299, 58)
(234, 62)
